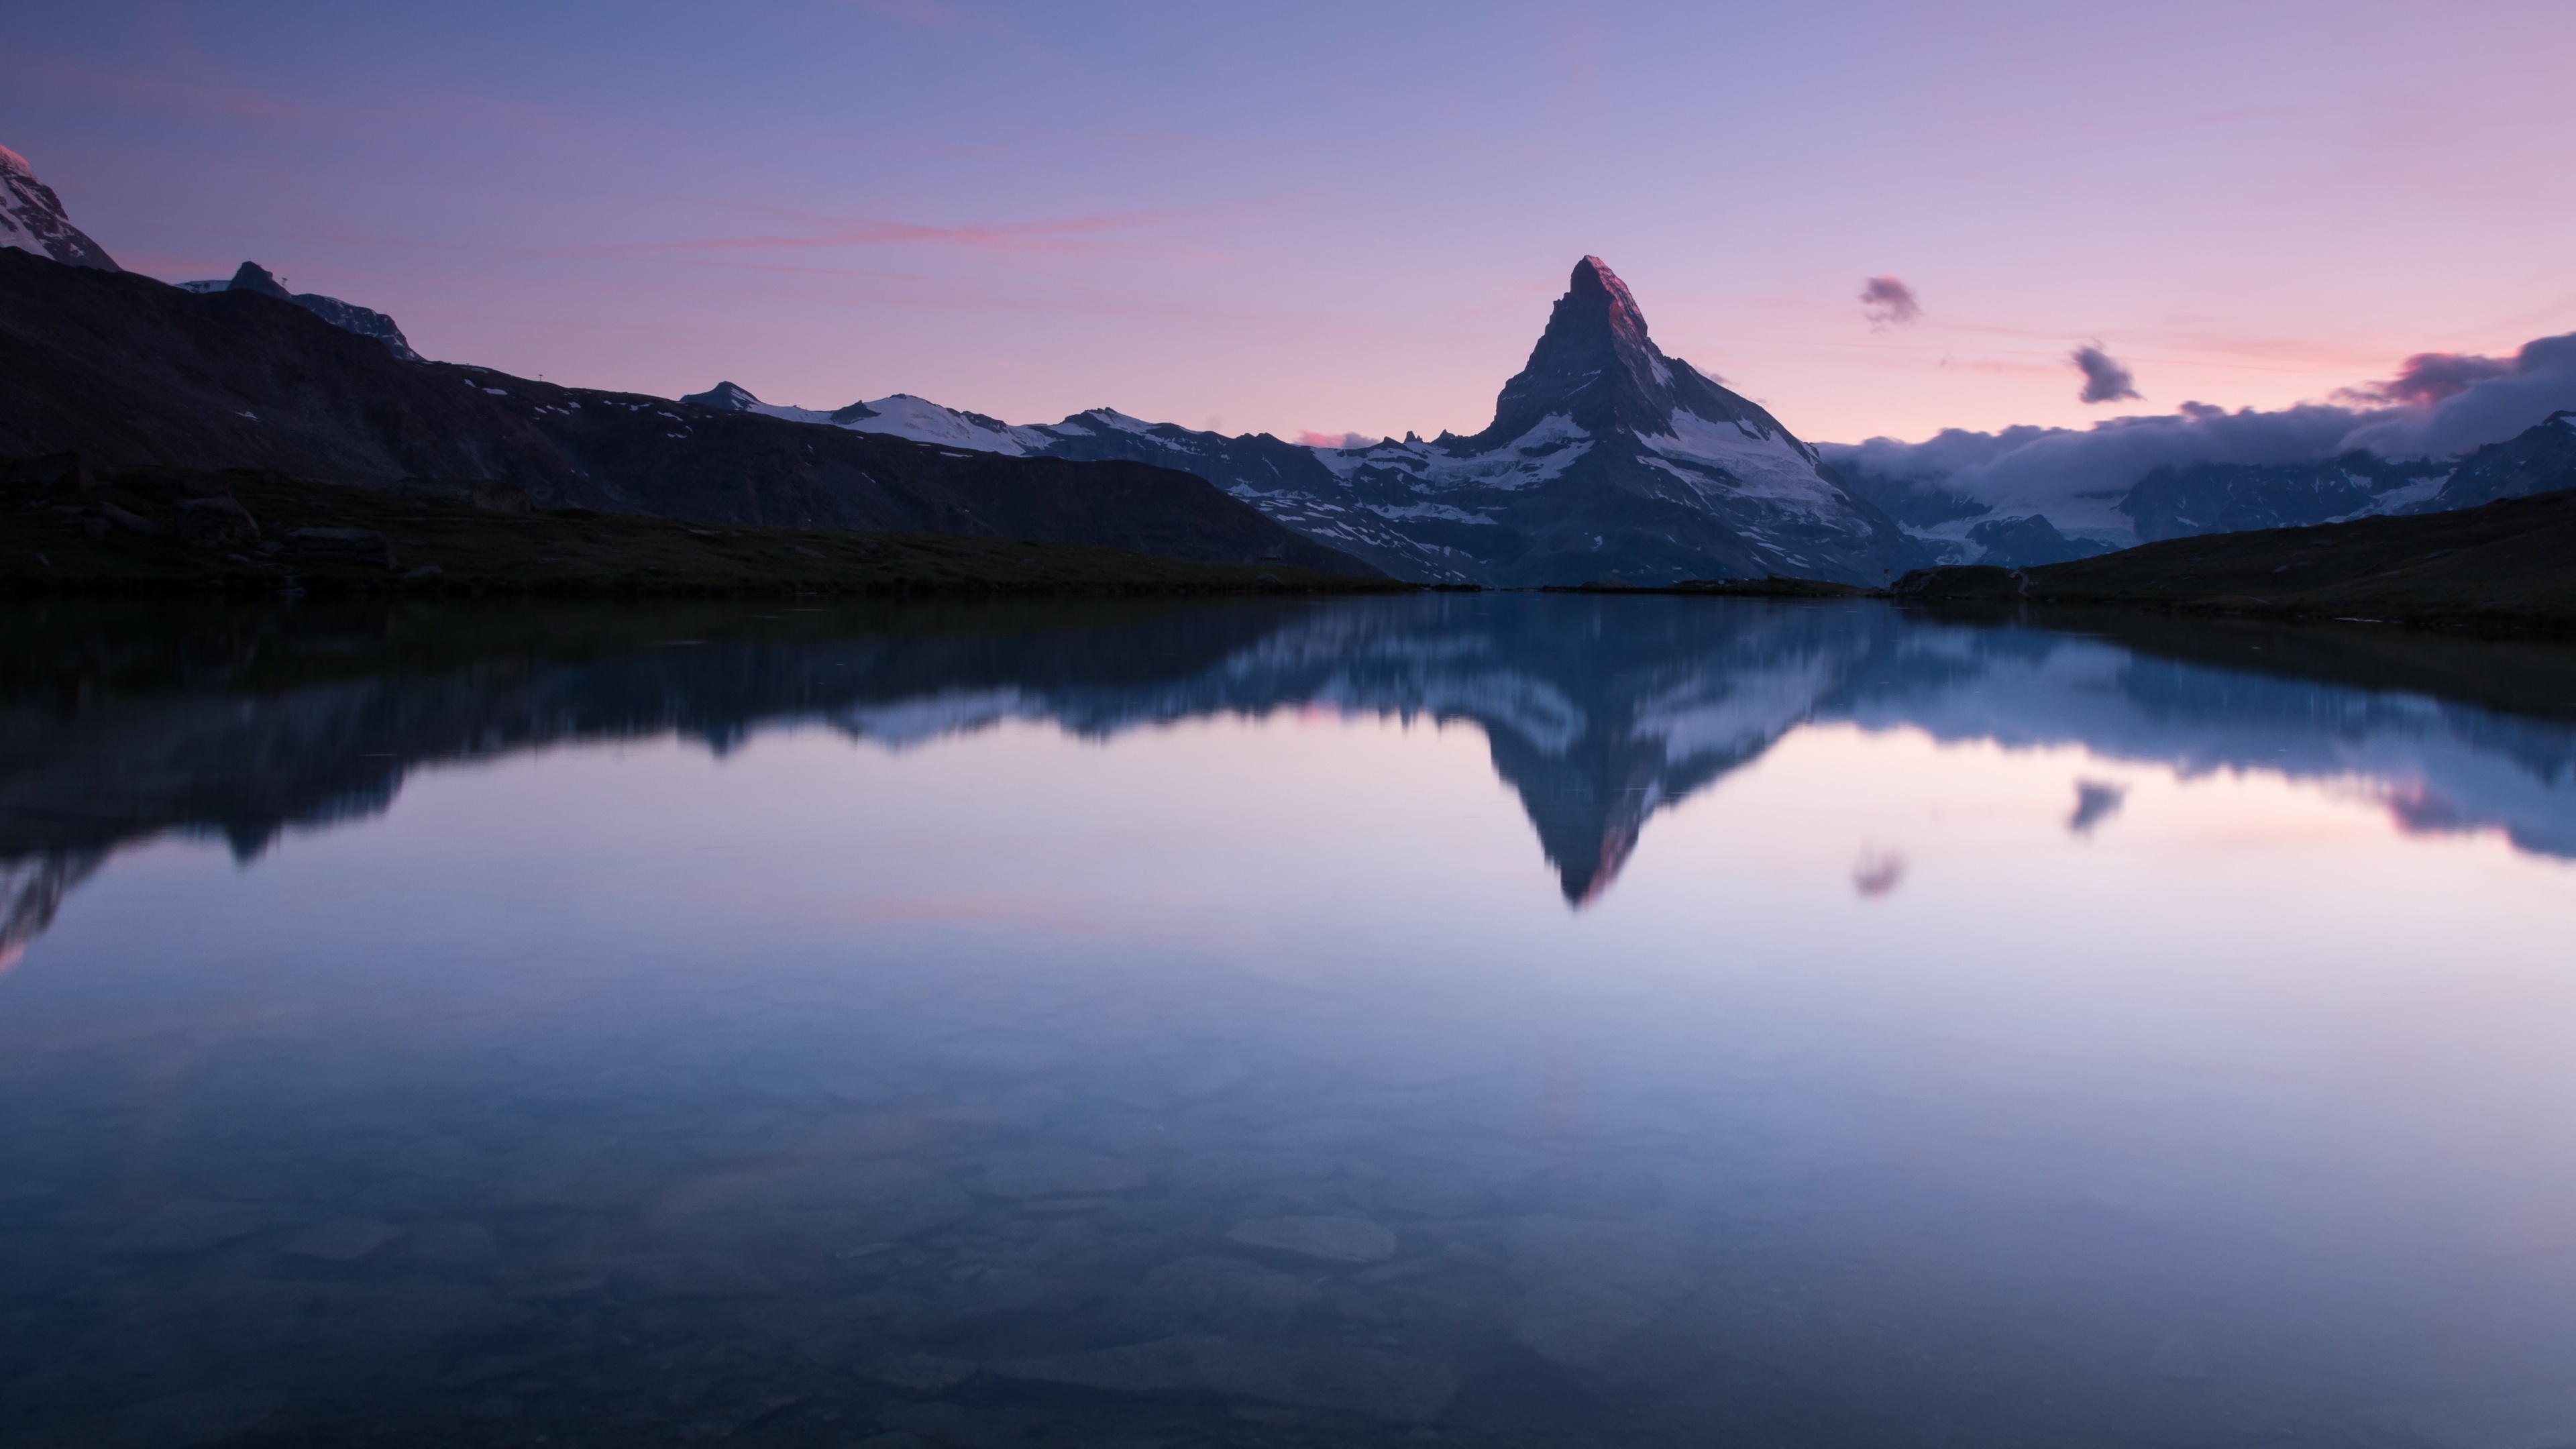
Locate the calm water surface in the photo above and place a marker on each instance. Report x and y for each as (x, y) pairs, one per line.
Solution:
(1496, 1020)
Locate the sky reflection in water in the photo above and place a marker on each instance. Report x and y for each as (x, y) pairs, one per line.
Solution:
(1162, 1026)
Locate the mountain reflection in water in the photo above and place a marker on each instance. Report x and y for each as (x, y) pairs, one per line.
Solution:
(1103, 1023)
(121, 724)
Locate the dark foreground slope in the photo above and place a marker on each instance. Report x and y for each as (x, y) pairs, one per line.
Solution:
(126, 533)
(2510, 564)
(128, 370)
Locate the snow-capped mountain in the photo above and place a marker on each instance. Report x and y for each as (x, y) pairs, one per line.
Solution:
(1605, 459)
(2178, 500)
(348, 316)
(32, 219)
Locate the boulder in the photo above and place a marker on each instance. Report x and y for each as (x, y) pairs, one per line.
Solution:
(133, 522)
(361, 546)
(216, 523)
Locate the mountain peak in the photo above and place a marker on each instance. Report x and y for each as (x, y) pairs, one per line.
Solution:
(347, 316)
(1595, 286)
(1596, 365)
(252, 277)
(731, 397)
(32, 219)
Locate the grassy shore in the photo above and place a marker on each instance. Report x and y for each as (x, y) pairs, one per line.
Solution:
(2507, 566)
(122, 534)
(1774, 586)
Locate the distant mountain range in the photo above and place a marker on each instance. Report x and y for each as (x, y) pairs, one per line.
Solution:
(1606, 459)
(2186, 500)
(124, 369)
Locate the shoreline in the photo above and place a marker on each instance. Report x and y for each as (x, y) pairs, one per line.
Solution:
(171, 532)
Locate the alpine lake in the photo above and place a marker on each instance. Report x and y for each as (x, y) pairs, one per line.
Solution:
(1492, 1019)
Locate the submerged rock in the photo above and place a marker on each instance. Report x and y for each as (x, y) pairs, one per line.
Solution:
(1577, 1324)
(1324, 1239)
(842, 1202)
(921, 1375)
(1356, 1380)
(686, 1275)
(1057, 1172)
(1227, 1295)
(188, 1226)
(1551, 1254)
(343, 1240)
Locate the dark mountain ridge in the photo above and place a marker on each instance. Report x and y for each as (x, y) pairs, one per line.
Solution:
(348, 316)
(125, 369)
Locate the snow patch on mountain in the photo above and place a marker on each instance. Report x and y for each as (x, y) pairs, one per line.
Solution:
(1537, 456)
(1428, 510)
(1755, 464)
(923, 421)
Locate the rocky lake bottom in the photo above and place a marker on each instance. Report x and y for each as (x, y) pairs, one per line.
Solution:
(1483, 1021)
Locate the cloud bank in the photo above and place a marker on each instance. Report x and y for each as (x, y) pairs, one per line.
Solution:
(2438, 405)
(1888, 302)
(2104, 379)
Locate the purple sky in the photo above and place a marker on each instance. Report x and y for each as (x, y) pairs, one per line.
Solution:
(1328, 217)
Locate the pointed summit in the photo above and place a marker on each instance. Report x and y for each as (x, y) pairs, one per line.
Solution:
(731, 397)
(252, 277)
(1594, 285)
(1596, 365)
(32, 219)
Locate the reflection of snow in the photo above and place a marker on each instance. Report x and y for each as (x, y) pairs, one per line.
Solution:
(917, 721)
(31, 891)
(1747, 710)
